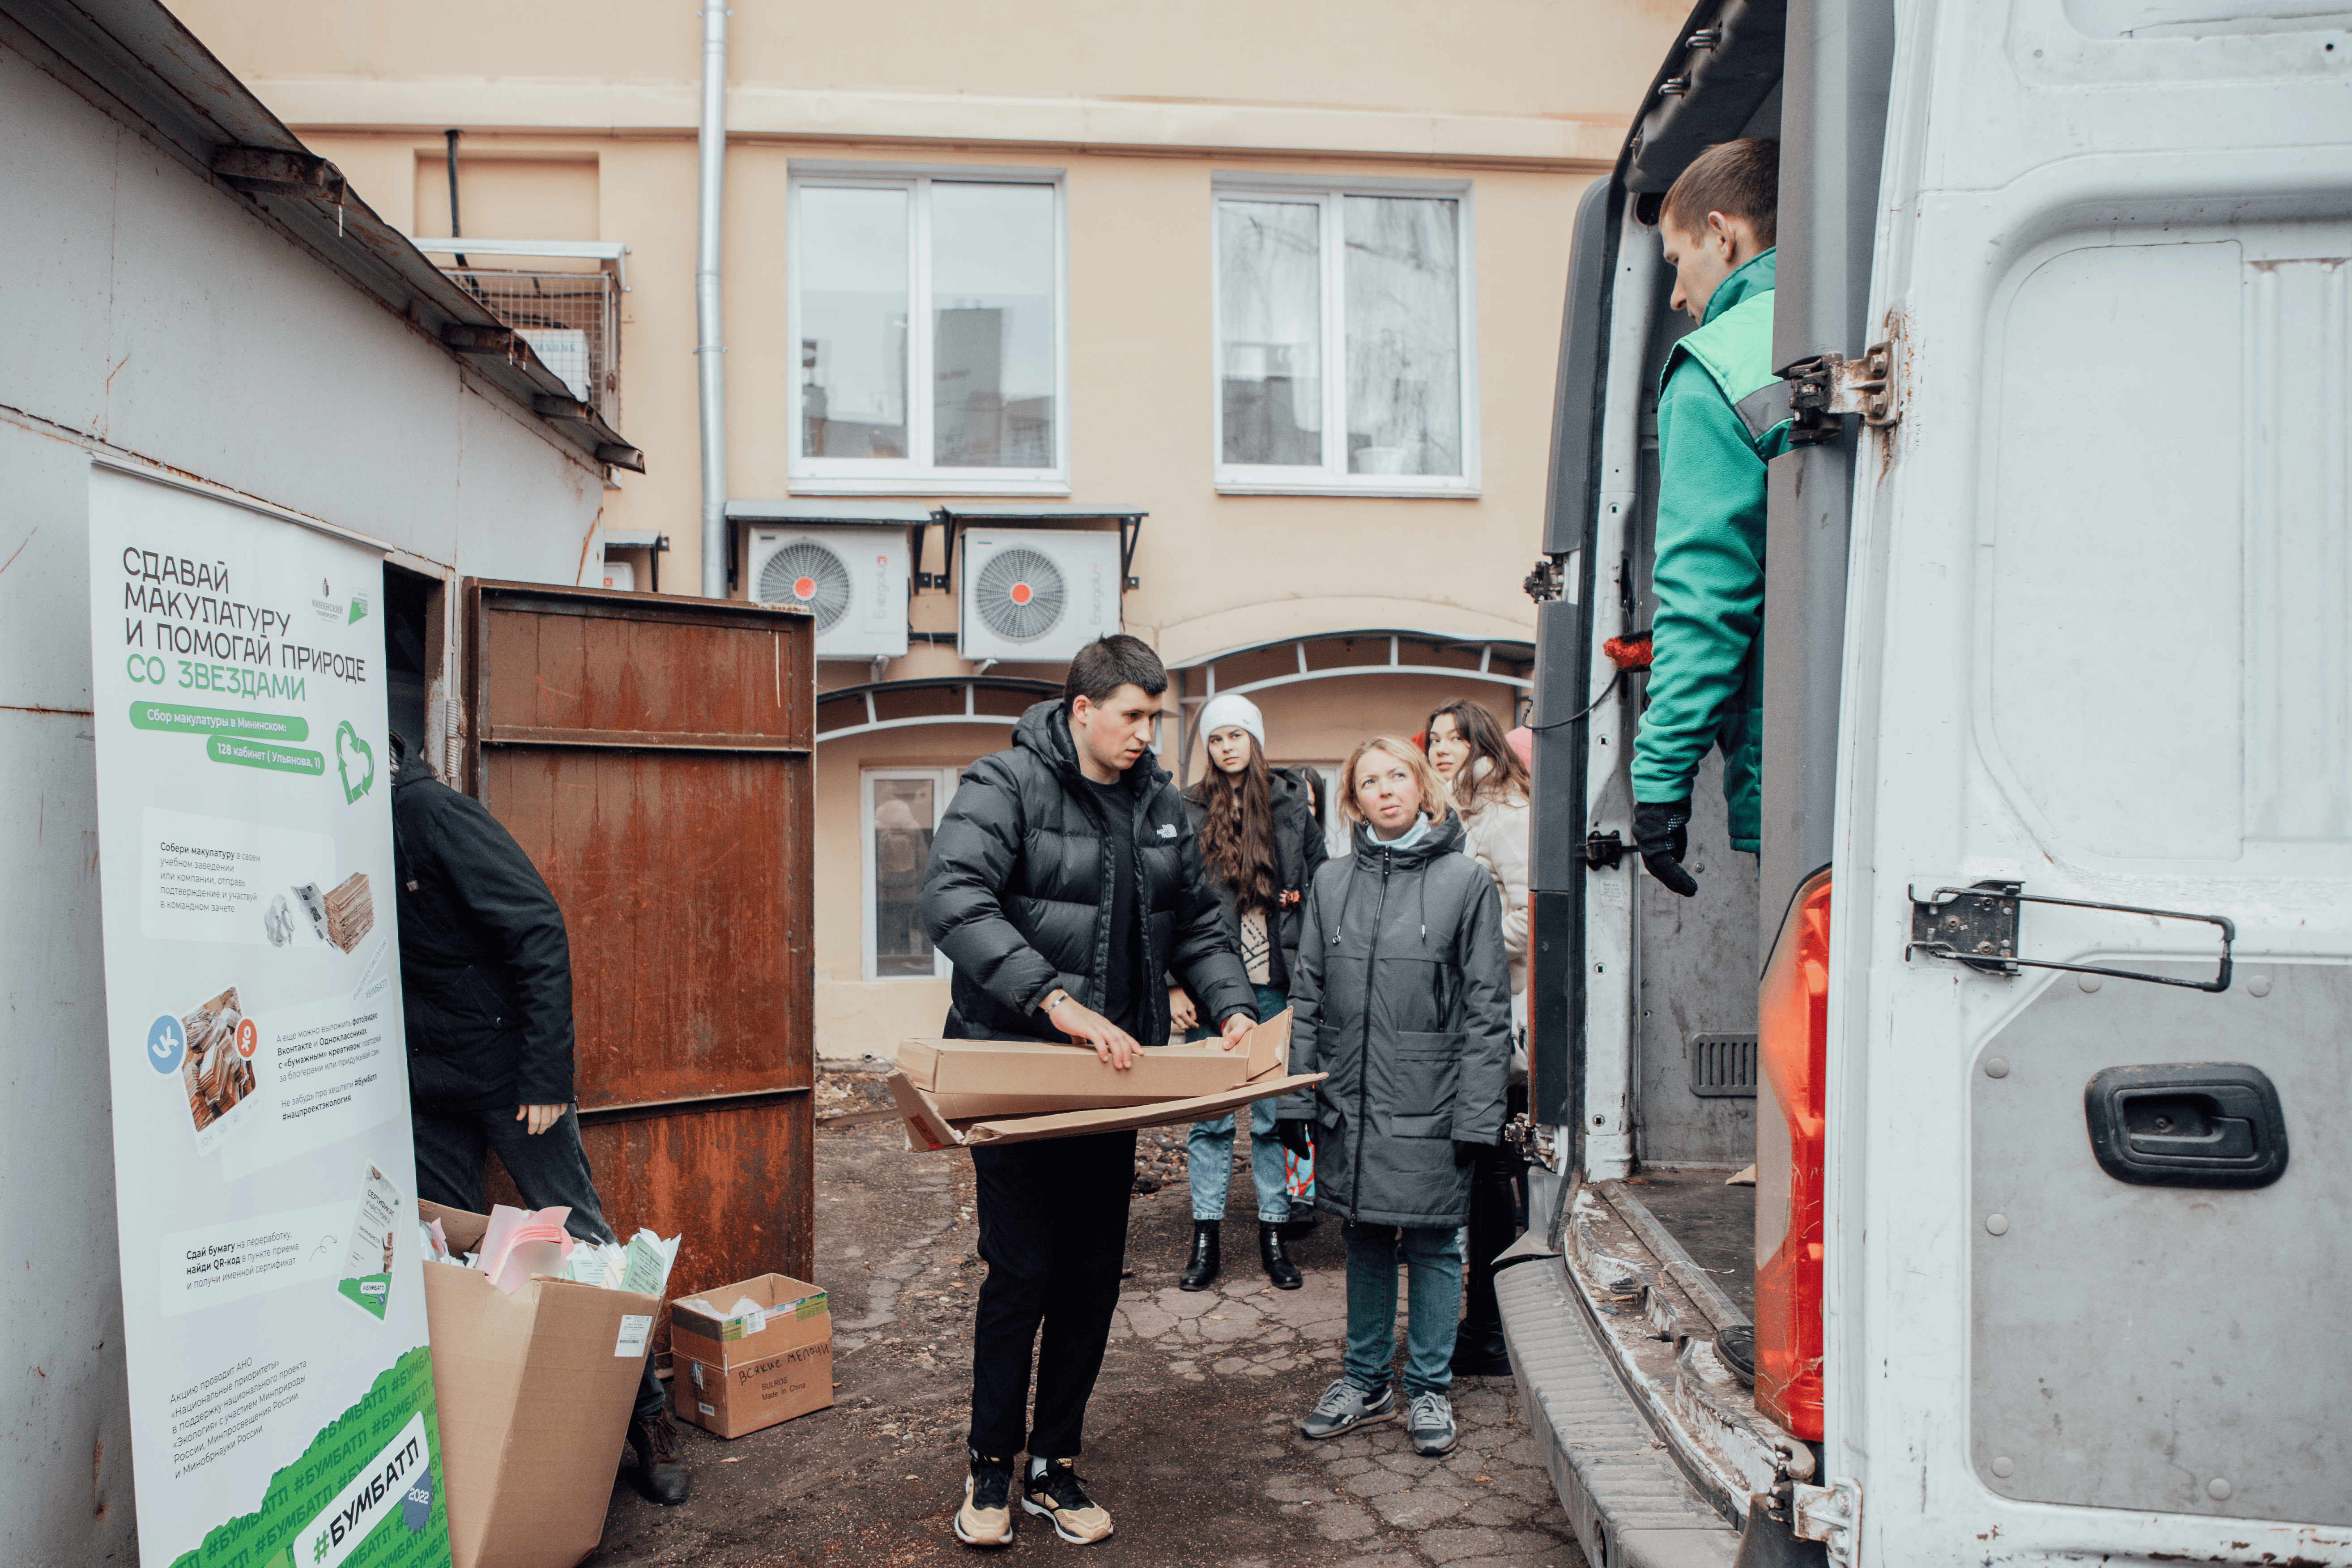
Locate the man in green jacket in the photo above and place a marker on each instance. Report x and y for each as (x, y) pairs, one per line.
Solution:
(1722, 416)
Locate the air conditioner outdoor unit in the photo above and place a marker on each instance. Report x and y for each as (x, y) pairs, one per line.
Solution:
(854, 580)
(1037, 596)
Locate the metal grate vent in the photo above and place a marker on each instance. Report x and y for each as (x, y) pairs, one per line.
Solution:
(1723, 1067)
(567, 318)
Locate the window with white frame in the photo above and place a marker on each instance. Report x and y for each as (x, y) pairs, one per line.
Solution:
(928, 310)
(1344, 337)
(900, 811)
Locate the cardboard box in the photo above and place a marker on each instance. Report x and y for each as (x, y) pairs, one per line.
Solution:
(1265, 1056)
(968, 1078)
(737, 1374)
(535, 1390)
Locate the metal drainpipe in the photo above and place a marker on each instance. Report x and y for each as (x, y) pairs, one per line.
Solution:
(708, 350)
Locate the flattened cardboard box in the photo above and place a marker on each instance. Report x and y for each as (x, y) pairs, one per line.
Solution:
(534, 1390)
(1264, 1055)
(927, 1128)
(741, 1373)
(967, 1079)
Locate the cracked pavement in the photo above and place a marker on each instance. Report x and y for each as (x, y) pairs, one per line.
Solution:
(1191, 1441)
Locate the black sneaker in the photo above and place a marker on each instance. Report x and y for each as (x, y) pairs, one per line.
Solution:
(1055, 1493)
(986, 1517)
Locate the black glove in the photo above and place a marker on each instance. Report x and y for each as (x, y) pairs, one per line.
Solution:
(1296, 1136)
(1463, 1153)
(1658, 834)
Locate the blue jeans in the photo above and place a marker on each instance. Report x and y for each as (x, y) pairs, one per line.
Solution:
(1209, 1151)
(1433, 1260)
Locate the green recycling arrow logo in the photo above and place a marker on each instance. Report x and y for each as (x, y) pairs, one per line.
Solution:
(355, 760)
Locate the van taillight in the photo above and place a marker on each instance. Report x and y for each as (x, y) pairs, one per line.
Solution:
(1793, 1044)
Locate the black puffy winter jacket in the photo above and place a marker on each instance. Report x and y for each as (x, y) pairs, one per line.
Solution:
(1298, 854)
(485, 970)
(1018, 892)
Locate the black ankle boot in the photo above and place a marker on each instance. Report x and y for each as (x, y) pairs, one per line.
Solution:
(1480, 1350)
(1278, 1267)
(1202, 1268)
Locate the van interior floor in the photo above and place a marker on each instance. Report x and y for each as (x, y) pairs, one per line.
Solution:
(1715, 1224)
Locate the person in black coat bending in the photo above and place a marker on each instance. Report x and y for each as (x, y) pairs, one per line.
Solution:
(1064, 884)
(486, 986)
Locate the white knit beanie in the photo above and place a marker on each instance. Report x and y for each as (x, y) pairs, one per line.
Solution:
(1230, 708)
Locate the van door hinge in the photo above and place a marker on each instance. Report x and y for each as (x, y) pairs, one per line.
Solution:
(1821, 390)
(1831, 1515)
(1604, 850)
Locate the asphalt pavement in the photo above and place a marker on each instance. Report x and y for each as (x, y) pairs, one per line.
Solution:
(1191, 1439)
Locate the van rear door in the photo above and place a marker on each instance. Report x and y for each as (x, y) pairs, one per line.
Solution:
(2089, 1237)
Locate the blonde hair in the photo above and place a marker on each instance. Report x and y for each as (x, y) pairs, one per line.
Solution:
(1436, 804)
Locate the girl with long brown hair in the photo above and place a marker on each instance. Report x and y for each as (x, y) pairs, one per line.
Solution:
(1491, 789)
(1260, 845)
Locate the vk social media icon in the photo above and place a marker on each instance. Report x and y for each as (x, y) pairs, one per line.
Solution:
(167, 1042)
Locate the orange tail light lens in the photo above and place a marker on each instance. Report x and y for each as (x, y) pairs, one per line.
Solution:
(1792, 1154)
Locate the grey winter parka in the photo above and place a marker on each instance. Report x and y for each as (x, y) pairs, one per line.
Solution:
(1018, 893)
(1403, 996)
(1298, 854)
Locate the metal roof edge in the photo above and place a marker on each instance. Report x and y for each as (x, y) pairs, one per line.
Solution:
(136, 59)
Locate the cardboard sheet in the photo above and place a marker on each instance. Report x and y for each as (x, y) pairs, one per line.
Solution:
(1010, 1078)
(927, 1128)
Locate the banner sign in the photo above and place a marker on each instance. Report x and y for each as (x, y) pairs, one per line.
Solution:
(281, 1390)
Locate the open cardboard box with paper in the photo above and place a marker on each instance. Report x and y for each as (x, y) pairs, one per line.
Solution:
(534, 1390)
(746, 1371)
(1054, 1074)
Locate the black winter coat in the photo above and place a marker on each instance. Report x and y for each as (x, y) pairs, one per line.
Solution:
(485, 970)
(1298, 854)
(1018, 892)
(1404, 996)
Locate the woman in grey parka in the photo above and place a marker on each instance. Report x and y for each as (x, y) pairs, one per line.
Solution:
(1403, 996)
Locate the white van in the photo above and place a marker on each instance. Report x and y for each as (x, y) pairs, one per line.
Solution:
(2047, 1259)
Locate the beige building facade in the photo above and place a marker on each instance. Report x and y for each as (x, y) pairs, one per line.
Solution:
(1234, 325)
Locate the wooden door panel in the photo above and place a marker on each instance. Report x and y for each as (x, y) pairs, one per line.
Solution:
(654, 758)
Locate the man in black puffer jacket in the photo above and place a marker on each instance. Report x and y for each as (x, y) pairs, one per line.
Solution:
(1063, 883)
(485, 987)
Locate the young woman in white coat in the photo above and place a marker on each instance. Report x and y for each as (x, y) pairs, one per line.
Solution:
(1489, 785)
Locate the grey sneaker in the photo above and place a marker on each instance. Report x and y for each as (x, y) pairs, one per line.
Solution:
(1345, 1408)
(1430, 1424)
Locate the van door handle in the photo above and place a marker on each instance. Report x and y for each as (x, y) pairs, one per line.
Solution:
(2186, 1125)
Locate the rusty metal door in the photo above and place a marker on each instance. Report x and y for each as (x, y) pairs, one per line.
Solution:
(654, 758)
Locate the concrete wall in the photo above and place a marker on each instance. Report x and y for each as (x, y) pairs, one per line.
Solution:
(154, 320)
